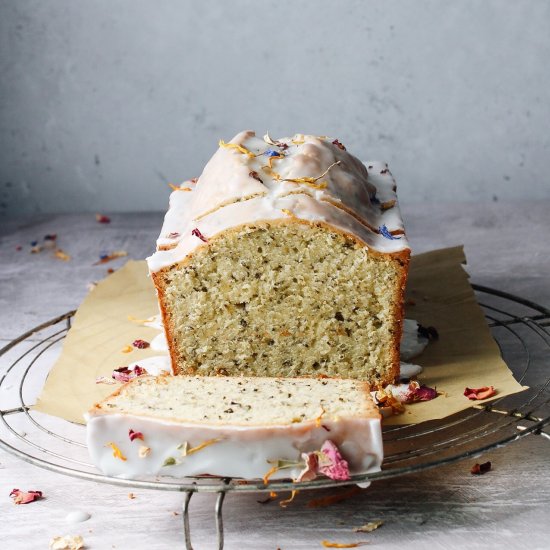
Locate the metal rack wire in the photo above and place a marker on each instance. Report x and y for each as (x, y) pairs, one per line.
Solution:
(520, 327)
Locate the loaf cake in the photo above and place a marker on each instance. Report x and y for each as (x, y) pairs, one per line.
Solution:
(285, 258)
(248, 428)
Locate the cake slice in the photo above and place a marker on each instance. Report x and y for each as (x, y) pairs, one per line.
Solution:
(236, 427)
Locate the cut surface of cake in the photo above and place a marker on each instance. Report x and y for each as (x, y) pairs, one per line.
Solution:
(285, 258)
(236, 427)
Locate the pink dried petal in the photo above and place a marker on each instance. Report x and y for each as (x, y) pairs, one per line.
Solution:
(100, 218)
(309, 473)
(140, 344)
(196, 233)
(476, 394)
(124, 374)
(24, 497)
(337, 468)
(135, 435)
(419, 393)
(173, 235)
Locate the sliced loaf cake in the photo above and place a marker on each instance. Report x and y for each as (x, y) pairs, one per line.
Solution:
(286, 258)
(236, 427)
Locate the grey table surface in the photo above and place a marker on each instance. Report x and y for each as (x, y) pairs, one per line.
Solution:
(507, 248)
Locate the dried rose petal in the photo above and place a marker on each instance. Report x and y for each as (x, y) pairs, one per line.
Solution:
(309, 473)
(100, 218)
(140, 344)
(255, 175)
(124, 374)
(135, 435)
(476, 394)
(338, 144)
(419, 393)
(24, 497)
(479, 469)
(173, 235)
(337, 468)
(196, 233)
(369, 527)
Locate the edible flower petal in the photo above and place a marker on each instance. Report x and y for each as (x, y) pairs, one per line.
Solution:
(286, 502)
(140, 344)
(134, 435)
(68, 542)
(24, 497)
(104, 258)
(369, 527)
(385, 232)
(419, 392)
(100, 218)
(337, 468)
(196, 233)
(328, 544)
(480, 469)
(239, 148)
(125, 374)
(144, 451)
(255, 175)
(312, 182)
(309, 473)
(476, 394)
(339, 145)
(117, 453)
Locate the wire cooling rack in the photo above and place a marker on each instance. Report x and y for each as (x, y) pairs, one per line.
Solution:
(520, 327)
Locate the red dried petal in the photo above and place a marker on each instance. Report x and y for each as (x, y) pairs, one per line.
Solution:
(338, 144)
(100, 218)
(124, 374)
(135, 435)
(480, 469)
(476, 394)
(196, 233)
(24, 497)
(140, 344)
(422, 393)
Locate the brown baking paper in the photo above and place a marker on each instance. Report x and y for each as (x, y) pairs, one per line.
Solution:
(464, 355)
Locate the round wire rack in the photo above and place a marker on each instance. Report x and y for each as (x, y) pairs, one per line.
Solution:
(520, 327)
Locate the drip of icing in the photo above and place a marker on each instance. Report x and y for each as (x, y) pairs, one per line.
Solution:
(77, 516)
(155, 366)
(408, 370)
(411, 343)
(159, 343)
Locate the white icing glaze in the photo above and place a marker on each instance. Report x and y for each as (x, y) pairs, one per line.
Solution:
(77, 516)
(408, 370)
(159, 342)
(228, 196)
(242, 452)
(411, 343)
(156, 365)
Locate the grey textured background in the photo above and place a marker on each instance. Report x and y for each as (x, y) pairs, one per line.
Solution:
(103, 102)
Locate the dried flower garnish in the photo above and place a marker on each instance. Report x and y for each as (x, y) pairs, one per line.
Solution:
(173, 235)
(269, 141)
(35, 247)
(385, 232)
(60, 255)
(117, 453)
(312, 182)
(178, 188)
(309, 473)
(126, 349)
(427, 332)
(335, 467)
(286, 502)
(100, 218)
(386, 401)
(288, 212)
(369, 527)
(68, 542)
(202, 445)
(388, 204)
(417, 392)
(480, 469)
(144, 451)
(140, 344)
(24, 497)
(131, 496)
(255, 175)
(328, 544)
(134, 435)
(125, 374)
(104, 380)
(239, 148)
(104, 258)
(170, 461)
(476, 394)
(339, 145)
(319, 417)
(50, 240)
(196, 233)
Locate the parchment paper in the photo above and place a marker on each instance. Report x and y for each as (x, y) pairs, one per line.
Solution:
(464, 355)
